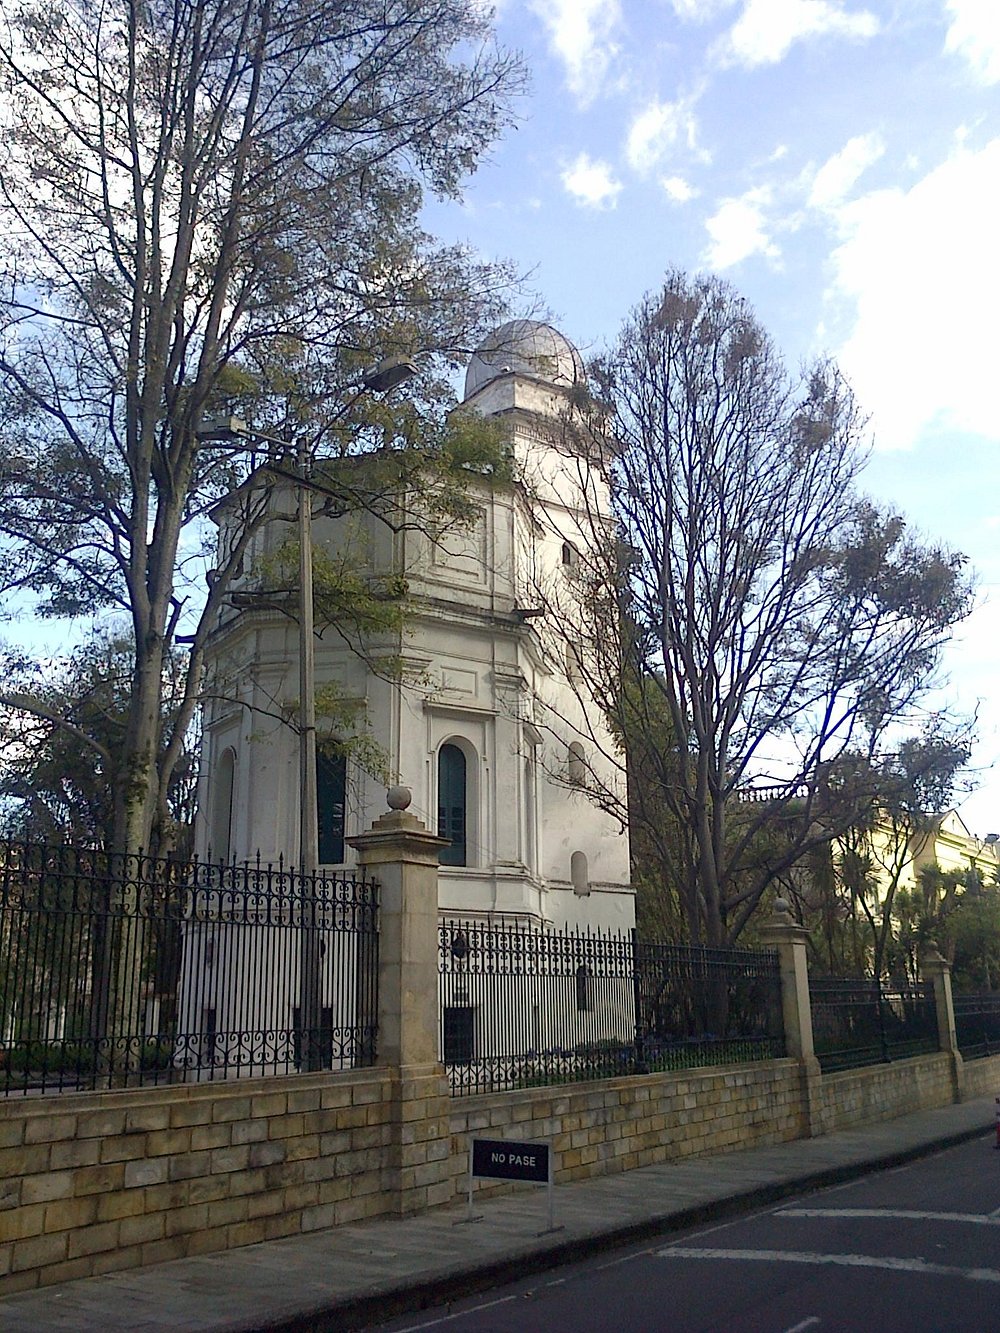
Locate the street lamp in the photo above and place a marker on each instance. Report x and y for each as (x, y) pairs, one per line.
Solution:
(387, 375)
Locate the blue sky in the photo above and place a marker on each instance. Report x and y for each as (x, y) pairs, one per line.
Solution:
(839, 163)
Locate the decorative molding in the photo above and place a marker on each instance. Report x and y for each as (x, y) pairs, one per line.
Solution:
(458, 709)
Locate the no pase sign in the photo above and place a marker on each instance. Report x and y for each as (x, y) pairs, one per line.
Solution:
(500, 1160)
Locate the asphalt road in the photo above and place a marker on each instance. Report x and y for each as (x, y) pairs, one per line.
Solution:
(914, 1249)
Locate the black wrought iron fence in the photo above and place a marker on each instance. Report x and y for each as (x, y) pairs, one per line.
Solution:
(136, 970)
(708, 1006)
(864, 1022)
(977, 1024)
(524, 1007)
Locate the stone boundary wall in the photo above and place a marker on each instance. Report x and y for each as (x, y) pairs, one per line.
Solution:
(91, 1183)
(981, 1078)
(883, 1091)
(622, 1123)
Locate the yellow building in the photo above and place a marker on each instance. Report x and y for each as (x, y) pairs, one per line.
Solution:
(952, 847)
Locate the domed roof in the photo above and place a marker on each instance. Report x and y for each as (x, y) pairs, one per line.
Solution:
(527, 347)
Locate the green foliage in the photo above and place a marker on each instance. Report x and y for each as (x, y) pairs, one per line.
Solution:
(62, 730)
(883, 811)
(214, 207)
(767, 600)
(347, 721)
(972, 937)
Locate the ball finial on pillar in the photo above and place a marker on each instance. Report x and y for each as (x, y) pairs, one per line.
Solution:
(398, 798)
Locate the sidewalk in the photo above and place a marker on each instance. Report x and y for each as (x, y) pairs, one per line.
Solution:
(345, 1278)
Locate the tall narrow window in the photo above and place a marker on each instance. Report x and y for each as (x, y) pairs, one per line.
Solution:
(458, 1043)
(574, 663)
(331, 801)
(222, 807)
(577, 765)
(530, 799)
(452, 799)
(582, 988)
(579, 874)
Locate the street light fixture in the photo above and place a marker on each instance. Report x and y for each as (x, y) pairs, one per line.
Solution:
(387, 375)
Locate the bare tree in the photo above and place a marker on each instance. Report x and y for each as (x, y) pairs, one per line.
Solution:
(206, 203)
(747, 619)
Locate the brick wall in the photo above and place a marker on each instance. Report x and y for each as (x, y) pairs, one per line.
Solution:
(95, 1182)
(623, 1123)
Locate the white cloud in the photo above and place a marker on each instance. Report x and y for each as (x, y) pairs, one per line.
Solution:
(591, 183)
(657, 129)
(737, 230)
(974, 34)
(839, 173)
(699, 11)
(922, 268)
(581, 32)
(678, 189)
(767, 29)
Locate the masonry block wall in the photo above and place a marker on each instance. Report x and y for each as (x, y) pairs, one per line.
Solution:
(880, 1092)
(623, 1123)
(90, 1183)
(981, 1078)
(93, 1183)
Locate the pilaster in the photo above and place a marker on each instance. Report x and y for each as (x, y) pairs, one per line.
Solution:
(782, 932)
(937, 970)
(402, 855)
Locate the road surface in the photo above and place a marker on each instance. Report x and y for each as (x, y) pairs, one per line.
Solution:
(915, 1249)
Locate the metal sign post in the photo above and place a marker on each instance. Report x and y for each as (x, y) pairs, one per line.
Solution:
(469, 1215)
(552, 1193)
(503, 1159)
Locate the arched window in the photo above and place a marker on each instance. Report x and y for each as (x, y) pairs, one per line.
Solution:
(452, 805)
(569, 555)
(222, 806)
(579, 873)
(331, 803)
(577, 764)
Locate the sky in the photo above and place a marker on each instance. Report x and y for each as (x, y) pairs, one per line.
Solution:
(839, 163)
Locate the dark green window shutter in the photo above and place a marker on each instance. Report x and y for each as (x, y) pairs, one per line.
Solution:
(452, 804)
(331, 800)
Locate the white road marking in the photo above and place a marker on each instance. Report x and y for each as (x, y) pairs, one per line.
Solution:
(806, 1323)
(624, 1259)
(892, 1214)
(694, 1235)
(459, 1314)
(920, 1266)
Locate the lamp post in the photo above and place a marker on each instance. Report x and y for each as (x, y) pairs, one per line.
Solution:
(387, 375)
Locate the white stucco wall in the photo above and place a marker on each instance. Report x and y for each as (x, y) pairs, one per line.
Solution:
(480, 676)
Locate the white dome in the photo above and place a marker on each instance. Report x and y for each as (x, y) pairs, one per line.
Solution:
(527, 347)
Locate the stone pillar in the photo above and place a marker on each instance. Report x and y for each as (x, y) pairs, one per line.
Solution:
(401, 855)
(782, 932)
(937, 970)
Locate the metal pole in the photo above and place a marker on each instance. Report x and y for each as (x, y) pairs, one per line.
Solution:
(386, 376)
(310, 1003)
(639, 1065)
